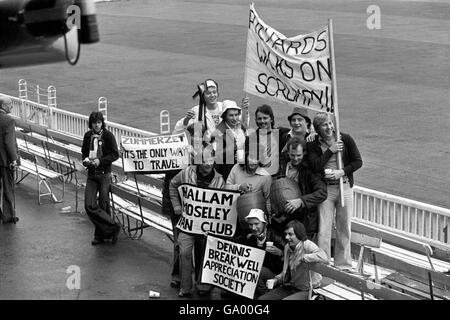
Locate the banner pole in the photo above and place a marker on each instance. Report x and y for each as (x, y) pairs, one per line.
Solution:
(246, 116)
(335, 104)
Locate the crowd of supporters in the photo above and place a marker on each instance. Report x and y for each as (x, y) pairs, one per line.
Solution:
(293, 233)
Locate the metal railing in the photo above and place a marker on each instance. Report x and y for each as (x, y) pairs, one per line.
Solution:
(401, 214)
(385, 210)
(68, 122)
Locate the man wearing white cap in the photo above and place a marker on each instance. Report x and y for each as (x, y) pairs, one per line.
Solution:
(229, 138)
(263, 237)
(209, 91)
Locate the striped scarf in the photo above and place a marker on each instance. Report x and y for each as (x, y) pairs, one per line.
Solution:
(95, 148)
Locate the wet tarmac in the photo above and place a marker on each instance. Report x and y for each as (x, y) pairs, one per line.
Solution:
(42, 254)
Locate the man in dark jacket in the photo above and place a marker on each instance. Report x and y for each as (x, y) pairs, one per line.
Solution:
(312, 187)
(99, 151)
(9, 158)
(323, 158)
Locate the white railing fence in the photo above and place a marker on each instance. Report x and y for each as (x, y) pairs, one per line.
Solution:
(407, 216)
(402, 214)
(68, 122)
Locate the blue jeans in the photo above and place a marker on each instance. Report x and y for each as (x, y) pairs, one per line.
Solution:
(327, 210)
(99, 212)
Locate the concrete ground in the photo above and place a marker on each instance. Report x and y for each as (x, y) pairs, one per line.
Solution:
(39, 254)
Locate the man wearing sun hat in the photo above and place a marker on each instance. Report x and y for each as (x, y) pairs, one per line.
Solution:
(229, 137)
(262, 236)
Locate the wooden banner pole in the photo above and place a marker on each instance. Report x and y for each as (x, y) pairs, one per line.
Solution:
(335, 104)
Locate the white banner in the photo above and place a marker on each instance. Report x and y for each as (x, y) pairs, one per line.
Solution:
(232, 266)
(207, 210)
(155, 154)
(294, 70)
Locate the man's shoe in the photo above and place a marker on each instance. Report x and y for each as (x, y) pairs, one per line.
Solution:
(115, 235)
(97, 241)
(175, 284)
(12, 220)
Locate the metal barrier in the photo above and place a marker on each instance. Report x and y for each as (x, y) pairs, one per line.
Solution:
(403, 215)
(70, 123)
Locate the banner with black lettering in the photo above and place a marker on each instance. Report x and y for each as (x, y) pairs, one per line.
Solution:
(207, 210)
(232, 266)
(294, 70)
(155, 154)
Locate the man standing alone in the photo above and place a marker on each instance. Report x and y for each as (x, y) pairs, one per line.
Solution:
(9, 158)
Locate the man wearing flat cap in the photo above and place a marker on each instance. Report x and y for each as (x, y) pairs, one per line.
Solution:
(300, 126)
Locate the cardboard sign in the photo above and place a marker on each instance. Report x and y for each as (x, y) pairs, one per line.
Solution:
(232, 266)
(207, 210)
(155, 154)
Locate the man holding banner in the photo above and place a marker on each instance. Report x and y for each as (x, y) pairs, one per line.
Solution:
(322, 158)
(301, 70)
(181, 191)
(232, 266)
